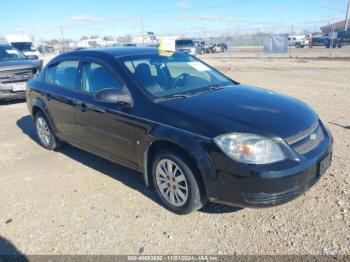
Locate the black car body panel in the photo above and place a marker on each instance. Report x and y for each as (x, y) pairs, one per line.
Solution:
(127, 134)
(242, 108)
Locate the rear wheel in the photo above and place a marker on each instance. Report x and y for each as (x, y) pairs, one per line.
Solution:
(175, 183)
(44, 132)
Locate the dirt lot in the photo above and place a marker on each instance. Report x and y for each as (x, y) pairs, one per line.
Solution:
(71, 202)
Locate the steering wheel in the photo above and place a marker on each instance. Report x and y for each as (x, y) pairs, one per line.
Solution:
(180, 80)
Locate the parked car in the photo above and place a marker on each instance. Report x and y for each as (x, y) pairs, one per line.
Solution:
(186, 46)
(319, 41)
(195, 134)
(219, 48)
(15, 71)
(343, 38)
(298, 41)
(129, 44)
(199, 46)
(24, 44)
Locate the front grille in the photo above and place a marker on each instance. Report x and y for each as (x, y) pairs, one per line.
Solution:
(185, 50)
(270, 198)
(18, 75)
(306, 141)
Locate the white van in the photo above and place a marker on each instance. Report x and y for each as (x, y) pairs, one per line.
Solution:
(24, 44)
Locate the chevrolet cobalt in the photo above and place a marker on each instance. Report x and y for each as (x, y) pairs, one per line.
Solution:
(195, 134)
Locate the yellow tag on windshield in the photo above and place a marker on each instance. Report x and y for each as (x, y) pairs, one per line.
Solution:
(167, 47)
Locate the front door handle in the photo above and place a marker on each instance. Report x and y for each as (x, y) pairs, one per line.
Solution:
(83, 107)
(48, 97)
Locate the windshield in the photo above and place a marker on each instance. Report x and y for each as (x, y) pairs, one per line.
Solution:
(184, 42)
(178, 74)
(24, 46)
(10, 53)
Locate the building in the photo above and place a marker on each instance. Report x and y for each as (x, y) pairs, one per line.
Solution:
(339, 26)
(89, 43)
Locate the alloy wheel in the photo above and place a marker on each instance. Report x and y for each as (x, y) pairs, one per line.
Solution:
(172, 182)
(43, 131)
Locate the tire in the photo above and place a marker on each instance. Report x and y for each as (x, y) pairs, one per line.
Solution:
(297, 45)
(46, 137)
(191, 199)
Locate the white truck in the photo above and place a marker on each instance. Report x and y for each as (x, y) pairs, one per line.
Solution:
(24, 44)
(298, 41)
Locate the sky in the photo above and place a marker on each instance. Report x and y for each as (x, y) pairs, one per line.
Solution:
(45, 19)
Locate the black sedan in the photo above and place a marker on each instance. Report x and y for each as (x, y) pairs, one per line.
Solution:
(195, 134)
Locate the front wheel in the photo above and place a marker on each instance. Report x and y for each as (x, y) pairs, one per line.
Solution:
(44, 132)
(175, 183)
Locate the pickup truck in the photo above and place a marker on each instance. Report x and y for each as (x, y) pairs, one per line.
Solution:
(15, 71)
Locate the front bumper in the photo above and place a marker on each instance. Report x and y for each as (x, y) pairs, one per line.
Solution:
(12, 95)
(7, 93)
(238, 184)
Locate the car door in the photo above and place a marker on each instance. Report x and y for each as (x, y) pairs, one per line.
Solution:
(63, 85)
(104, 127)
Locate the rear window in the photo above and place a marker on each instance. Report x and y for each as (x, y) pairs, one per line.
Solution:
(184, 42)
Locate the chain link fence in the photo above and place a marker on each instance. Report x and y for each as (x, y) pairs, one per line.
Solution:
(252, 46)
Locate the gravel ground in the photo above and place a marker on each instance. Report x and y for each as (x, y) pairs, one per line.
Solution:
(71, 202)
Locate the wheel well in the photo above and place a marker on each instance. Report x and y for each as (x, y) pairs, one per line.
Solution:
(35, 110)
(161, 145)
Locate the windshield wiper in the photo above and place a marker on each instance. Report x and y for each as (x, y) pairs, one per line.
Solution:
(208, 90)
(172, 97)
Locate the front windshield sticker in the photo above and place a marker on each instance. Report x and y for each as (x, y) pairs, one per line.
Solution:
(199, 66)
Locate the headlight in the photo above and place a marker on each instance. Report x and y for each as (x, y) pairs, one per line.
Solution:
(250, 148)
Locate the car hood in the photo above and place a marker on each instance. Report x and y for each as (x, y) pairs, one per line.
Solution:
(18, 64)
(241, 108)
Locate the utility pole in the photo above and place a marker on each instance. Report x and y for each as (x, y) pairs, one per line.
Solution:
(347, 17)
(258, 41)
(62, 37)
(142, 32)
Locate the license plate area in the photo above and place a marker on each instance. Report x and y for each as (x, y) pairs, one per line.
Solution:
(18, 87)
(324, 164)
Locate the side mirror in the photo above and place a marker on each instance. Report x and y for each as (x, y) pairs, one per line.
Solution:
(111, 95)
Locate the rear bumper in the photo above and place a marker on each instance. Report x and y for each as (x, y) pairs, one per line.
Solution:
(270, 185)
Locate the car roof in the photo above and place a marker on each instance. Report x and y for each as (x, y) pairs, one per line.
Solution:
(115, 51)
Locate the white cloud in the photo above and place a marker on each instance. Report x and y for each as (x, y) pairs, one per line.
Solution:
(183, 4)
(214, 18)
(86, 18)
